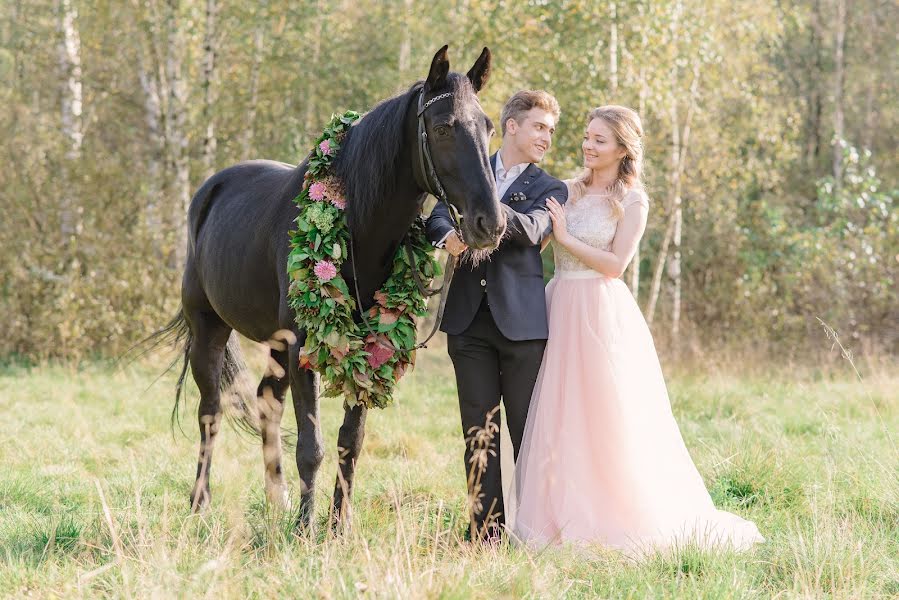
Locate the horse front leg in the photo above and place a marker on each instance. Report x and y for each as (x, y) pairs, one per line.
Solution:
(270, 396)
(310, 448)
(349, 445)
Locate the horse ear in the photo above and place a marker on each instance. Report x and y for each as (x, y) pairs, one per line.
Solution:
(480, 72)
(439, 70)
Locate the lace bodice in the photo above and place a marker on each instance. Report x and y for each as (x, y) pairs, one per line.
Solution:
(590, 219)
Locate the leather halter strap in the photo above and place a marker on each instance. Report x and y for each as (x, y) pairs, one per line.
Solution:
(435, 188)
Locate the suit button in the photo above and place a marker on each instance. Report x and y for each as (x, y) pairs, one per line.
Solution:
(483, 283)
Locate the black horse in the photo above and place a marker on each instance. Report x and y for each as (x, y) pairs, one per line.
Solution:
(235, 278)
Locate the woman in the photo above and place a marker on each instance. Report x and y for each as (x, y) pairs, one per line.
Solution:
(602, 460)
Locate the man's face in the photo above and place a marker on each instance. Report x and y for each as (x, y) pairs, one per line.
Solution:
(532, 134)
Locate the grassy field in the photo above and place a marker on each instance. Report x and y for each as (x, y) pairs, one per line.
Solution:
(94, 496)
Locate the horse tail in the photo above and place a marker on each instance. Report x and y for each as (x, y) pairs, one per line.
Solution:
(235, 383)
(238, 390)
(175, 333)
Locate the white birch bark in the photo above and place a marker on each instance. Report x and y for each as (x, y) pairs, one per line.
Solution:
(839, 76)
(680, 142)
(248, 134)
(308, 122)
(176, 132)
(209, 92)
(613, 49)
(153, 88)
(674, 272)
(70, 113)
(404, 62)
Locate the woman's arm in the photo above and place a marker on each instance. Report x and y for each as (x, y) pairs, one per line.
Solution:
(624, 246)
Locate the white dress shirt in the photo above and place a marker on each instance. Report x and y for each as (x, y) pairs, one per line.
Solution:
(504, 179)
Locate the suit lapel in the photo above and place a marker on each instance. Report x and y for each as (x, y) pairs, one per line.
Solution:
(493, 165)
(521, 184)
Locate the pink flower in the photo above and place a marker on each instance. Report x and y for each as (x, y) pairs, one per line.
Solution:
(339, 202)
(325, 270)
(325, 147)
(317, 191)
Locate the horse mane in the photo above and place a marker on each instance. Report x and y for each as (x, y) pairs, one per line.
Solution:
(367, 162)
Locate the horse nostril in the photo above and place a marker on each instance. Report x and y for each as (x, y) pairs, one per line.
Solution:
(488, 228)
(481, 224)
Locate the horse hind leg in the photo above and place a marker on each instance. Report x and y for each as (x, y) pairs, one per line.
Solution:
(270, 396)
(207, 355)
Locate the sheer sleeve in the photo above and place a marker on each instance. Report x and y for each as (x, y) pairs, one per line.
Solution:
(635, 196)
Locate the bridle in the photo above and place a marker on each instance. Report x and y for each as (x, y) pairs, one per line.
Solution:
(433, 186)
(426, 163)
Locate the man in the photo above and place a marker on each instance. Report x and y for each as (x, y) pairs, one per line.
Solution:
(495, 316)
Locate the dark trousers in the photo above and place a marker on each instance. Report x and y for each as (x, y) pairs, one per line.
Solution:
(488, 367)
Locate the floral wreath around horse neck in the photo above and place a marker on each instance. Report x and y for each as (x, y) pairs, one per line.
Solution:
(361, 363)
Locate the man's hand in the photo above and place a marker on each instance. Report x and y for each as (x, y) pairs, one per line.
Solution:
(454, 245)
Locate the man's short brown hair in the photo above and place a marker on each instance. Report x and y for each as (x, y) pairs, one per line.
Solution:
(523, 101)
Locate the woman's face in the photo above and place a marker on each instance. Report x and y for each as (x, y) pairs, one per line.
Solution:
(601, 149)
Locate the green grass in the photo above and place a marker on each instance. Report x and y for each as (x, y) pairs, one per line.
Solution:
(94, 497)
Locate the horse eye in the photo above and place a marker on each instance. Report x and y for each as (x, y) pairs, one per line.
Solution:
(441, 130)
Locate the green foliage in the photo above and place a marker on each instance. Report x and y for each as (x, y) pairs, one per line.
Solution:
(360, 365)
(835, 260)
(766, 248)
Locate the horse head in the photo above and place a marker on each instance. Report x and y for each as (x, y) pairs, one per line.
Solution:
(453, 156)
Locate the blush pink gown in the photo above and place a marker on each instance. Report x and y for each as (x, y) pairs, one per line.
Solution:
(602, 459)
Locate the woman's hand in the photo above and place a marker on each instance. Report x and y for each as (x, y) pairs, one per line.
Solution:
(560, 224)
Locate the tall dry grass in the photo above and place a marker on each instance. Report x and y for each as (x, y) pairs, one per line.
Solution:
(94, 496)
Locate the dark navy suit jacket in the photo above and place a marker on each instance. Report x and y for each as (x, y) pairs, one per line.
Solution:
(512, 277)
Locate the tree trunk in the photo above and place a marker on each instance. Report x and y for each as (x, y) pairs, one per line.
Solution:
(679, 143)
(308, 122)
(209, 52)
(838, 133)
(176, 133)
(70, 115)
(153, 83)
(404, 62)
(635, 262)
(814, 110)
(613, 49)
(674, 272)
(248, 134)
(871, 58)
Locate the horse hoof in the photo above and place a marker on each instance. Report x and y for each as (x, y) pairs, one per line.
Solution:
(341, 526)
(278, 497)
(199, 502)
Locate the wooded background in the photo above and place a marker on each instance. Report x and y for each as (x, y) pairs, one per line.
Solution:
(770, 141)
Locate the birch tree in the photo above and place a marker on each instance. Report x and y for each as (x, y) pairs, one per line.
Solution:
(248, 133)
(209, 54)
(176, 133)
(70, 114)
(680, 139)
(839, 83)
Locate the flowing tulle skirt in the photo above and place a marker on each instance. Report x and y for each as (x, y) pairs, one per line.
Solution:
(602, 460)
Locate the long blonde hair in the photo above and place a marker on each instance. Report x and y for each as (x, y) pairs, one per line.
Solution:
(628, 130)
